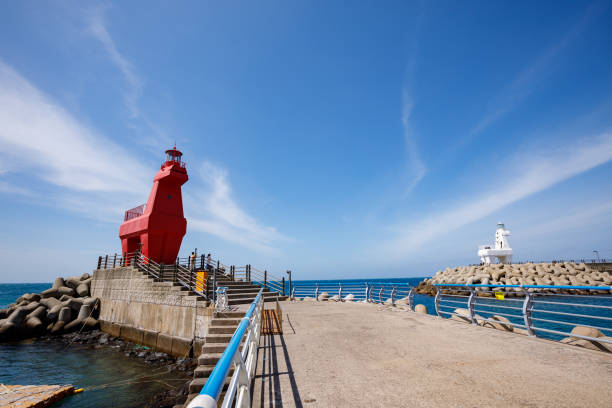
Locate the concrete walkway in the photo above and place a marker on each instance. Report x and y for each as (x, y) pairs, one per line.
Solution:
(365, 355)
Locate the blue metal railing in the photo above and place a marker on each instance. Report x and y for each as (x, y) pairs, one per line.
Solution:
(244, 362)
(376, 292)
(550, 311)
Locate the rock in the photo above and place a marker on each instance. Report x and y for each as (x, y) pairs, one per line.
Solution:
(85, 276)
(65, 314)
(335, 298)
(585, 331)
(73, 282)
(58, 327)
(84, 312)
(58, 283)
(323, 296)
(82, 290)
(349, 298)
(420, 309)
(34, 325)
(50, 302)
(89, 323)
(75, 304)
(463, 315)
(18, 316)
(65, 291)
(504, 324)
(4, 313)
(40, 313)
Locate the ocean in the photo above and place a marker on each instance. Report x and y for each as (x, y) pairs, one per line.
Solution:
(109, 377)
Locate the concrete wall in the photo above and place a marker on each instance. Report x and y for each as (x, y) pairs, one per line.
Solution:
(155, 314)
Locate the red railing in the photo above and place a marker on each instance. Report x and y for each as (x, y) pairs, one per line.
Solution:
(134, 212)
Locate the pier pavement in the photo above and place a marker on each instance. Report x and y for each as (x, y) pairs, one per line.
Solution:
(366, 355)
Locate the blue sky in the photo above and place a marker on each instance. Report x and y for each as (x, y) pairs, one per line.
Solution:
(335, 139)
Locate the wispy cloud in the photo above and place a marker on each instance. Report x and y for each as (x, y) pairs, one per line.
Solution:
(416, 167)
(92, 175)
(133, 91)
(215, 211)
(529, 174)
(585, 217)
(40, 135)
(524, 83)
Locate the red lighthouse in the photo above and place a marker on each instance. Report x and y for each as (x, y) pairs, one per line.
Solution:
(157, 228)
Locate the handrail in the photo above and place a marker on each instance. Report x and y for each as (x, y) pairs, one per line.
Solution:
(244, 363)
(538, 304)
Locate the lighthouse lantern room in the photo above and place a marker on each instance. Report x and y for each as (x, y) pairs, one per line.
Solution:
(157, 228)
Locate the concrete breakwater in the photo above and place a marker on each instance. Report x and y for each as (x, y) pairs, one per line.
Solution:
(161, 315)
(65, 307)
(560, 274)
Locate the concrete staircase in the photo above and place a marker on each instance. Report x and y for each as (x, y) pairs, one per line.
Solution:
(241, 292)
(223, 326)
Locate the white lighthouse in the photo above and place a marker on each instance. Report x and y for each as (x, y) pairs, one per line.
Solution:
(502, 250)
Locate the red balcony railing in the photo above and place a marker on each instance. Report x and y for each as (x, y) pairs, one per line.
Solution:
(134, 212)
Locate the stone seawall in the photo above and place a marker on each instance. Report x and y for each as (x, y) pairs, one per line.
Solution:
(560, 273)
(155, 314)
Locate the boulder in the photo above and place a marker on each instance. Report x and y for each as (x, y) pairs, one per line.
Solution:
(4, 313)
(34, 325)
(504, 324)
(85, 276)
(585, 331)
(64, 290)
(50, 302)
(40, 313)
(323, 296)
(18, 316)
(82, 290)
(84, 312)
(420, 309)
(335, 298)
(58, 283)
(463, 315)
(88, 323)
(54, 312)
(350, 297)
(65, 314)
(73, 282)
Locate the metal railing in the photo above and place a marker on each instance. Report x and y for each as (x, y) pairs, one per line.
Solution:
(200, 274)
(244, 361)
(134, 212)
(554, 261)
(375, 292)
(548, 311)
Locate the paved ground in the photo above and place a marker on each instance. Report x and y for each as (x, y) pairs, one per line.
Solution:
(365, 355)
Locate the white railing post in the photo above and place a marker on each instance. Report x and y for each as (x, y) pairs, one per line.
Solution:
(437, 301)
(527, 309)
(340, 291)
(393, 296)
(471, 302)
(317, 293)
(411, 299)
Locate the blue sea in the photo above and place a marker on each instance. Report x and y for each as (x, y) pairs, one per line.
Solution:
(109, 377)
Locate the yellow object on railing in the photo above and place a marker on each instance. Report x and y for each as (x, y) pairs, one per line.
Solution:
(201, 280)
(499, 296)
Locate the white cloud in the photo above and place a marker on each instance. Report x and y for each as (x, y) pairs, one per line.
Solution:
(38, 134)
(585, 217)
(134, 90)
(215, 211)
(416, 167)
(527, 79)
(530, 174)
(94, 176)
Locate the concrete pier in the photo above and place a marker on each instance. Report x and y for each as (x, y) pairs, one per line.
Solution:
(366, 355)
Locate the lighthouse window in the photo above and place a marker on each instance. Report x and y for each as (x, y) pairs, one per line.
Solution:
(169, 197)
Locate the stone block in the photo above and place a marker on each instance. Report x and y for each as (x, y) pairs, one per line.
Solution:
(149, 338)
(198, 343)
(164, 343)
(181, 347)
(113, 329)
(131, 333)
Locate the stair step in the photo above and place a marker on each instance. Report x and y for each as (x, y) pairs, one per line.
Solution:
(209, 358)
(196, 385)
(221, 330)
(218, 338)
(225, 322)
(247, 300)
(204, 371)
(223, 315)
